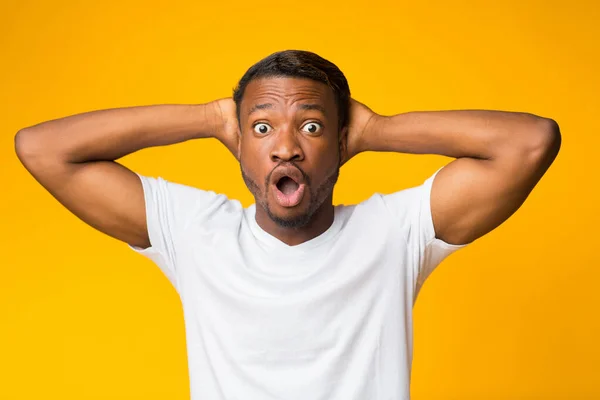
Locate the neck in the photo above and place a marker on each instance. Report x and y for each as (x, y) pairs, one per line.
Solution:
(319, 223)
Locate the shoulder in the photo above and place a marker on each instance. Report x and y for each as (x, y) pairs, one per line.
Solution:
(398, 205)
(407, 210)
(411, 201)
(187, 202)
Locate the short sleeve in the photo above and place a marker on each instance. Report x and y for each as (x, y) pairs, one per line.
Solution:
(170, 207)
(412, 211)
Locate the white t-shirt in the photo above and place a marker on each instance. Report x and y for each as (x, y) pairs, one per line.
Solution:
(328, 319)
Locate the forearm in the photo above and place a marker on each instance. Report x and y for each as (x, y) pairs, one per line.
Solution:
(113, 133)
(481, 134)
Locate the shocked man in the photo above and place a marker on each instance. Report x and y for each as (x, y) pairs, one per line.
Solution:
(294, 297)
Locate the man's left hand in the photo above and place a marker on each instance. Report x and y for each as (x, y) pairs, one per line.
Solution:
(362, 121)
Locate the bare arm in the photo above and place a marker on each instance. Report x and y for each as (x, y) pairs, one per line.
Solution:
(73, 158)
(500, 157)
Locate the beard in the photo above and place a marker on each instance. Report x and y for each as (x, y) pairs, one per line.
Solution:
(317, 197)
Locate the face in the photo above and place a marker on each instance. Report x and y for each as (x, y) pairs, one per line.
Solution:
(290, 147)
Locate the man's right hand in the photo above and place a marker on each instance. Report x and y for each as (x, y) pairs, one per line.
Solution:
(74, 158)
(227, 129)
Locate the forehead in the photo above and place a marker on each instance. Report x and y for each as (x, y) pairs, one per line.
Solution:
(286, 92)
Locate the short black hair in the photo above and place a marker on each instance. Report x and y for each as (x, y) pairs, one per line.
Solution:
(300, 64)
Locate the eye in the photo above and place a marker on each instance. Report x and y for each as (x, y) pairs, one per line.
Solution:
(312, 127)
(262, 128)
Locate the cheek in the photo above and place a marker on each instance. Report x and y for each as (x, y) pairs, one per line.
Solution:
(253, 148)
(253, 163)
(328, 156)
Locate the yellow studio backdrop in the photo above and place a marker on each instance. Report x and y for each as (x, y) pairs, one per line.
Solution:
(512, 316)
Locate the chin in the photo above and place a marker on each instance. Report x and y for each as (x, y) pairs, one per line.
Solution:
(298, 221)
(294, 217)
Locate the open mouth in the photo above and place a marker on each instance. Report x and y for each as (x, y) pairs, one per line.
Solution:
(287, 185)
(288, 192)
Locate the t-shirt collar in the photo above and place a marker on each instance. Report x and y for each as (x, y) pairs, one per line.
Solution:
(277, 245)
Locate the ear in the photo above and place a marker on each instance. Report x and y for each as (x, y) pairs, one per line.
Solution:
(239, 145)
(343, 145)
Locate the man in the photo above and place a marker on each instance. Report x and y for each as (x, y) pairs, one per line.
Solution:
(293, 297)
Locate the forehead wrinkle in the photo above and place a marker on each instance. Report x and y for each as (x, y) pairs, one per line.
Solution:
(257, 107)
(271, 93)
(317, 107)
(301, 106)
(290, 84)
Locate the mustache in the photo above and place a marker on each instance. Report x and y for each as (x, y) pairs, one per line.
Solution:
(287, 163)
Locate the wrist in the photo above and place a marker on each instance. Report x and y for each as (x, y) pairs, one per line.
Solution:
(210, 124)
(373, 130)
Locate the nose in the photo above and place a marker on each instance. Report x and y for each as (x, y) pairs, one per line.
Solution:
(286, 146)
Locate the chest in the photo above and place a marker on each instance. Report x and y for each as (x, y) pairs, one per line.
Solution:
(328, 305)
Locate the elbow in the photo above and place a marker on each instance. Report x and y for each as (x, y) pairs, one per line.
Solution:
(545, 141)
(24, 143)
(20, 139)
(551, 134)
(28, 148)
(23, 148)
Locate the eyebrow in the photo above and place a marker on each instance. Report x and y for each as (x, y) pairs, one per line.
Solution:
(265, 106)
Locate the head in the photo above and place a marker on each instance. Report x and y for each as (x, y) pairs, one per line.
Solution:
(293, 110)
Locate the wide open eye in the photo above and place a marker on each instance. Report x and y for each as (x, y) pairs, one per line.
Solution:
(262, 128)
(312, 127)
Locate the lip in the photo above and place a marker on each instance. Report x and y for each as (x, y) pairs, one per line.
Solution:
(289, 171)
(293, 173)
(289, 201)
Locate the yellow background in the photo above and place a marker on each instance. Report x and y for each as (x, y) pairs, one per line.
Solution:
(513, 316)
